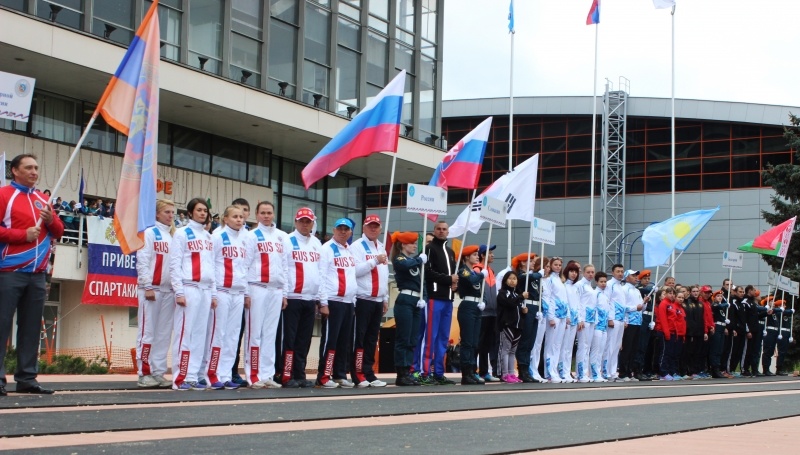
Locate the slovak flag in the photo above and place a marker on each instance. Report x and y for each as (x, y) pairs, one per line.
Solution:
(461, 166)
(375, 129)
(594, 13)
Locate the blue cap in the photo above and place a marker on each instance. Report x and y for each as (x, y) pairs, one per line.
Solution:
(482, 249)
(343, 222)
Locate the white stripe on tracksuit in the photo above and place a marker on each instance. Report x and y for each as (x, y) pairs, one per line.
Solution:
(616, 294)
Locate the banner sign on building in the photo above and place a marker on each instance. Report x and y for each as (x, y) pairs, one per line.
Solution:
(111, 278)
(16, 94)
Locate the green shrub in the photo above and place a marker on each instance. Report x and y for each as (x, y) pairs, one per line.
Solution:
(10, 361)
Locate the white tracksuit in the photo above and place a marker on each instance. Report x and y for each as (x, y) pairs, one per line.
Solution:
(192, 275)
(372, 278)
(570, 330)
(589, 317)
(155, 317)
(615, 291)
(555, 294)
(302, 266)
(225, 321)
(604, 313)
(267, 287)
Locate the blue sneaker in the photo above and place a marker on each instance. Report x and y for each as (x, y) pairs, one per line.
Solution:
(238, 380)
(666, 378)
(219, 385)
(230, 385)
(183, 387)
(196, 386)
(202, 382)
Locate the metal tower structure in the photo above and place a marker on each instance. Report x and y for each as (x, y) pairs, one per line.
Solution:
(615, 108)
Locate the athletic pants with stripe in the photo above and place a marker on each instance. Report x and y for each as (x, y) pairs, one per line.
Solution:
(433, 337)
(367, 324)
(536, 352)
(336, 342)
(585, 337)
(552, 347)
(155, 331)
(190, 323)
(294, 339)
(261, 321)
(567, 346)
(613, 344)
(223, 333)
(596, 353)
(407, 316)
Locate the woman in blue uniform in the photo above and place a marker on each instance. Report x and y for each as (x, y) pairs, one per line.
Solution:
(409, 302)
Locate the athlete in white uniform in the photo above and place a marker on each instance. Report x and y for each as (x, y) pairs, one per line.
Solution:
(536, 352)
(337, 269)
(225, 321)
(156, 299)
(302, 252)
(586, 333)
(266, 276)
(372, 301)
(192, 275)
(574, 321)
(615, 292)
(605, 316)
(555, 294)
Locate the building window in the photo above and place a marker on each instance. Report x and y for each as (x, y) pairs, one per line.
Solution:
(205, 35)
(113, 20)
(282, 58)
(427, 95)
(285, 10)
(315, 84)
(428, 11)
(349, 34)
(190, 150)
(377, 59)
(317, 34)
(65, 12)
(55, 118)
(18, 5)
(229, 159)
(258, 167)
(169, 20)
(246, 42)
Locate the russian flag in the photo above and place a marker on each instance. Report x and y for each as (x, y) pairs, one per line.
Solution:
(594, 13)
(375, 129)
(461, 166)
(130, 105)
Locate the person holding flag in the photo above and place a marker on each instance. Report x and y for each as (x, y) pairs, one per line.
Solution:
(525, 267)
(408, 304)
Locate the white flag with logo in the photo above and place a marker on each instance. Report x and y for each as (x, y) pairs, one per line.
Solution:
(662, 4)
(517, 189)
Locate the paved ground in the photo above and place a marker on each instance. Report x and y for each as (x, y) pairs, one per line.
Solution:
(107, 414)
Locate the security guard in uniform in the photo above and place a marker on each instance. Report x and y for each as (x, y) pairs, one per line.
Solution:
(409, 302)
(771, 338)
(718, 308)
(469, 312)
(785, 324)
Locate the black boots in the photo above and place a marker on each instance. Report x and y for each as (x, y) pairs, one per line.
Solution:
(404, 379)
(524, 373)
(468, 376)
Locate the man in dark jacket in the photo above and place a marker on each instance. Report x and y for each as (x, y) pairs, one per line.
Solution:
(440, 281)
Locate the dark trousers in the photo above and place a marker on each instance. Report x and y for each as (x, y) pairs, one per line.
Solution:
(672, 353)
(717, 342)
(753, 352)
(690, 358)
(783, 348)
(529, 325)
(367, 324)
(727, 346)
(336, 342)
(23, 293)
(643, 357)
(737, 350)
(658, 352)
(235, 369)
(406, 316)
(630, 343)
(294, 338)
(469, 321)
(488, 345)
(770, 341)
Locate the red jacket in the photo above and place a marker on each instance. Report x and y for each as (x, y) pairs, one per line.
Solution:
(665, 318)
(20, 206)
(680, 320)
(708, 316)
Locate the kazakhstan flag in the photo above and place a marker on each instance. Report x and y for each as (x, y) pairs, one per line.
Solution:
(678, 233)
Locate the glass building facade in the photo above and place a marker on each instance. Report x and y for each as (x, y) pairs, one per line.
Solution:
(331, 54)
(710, 155)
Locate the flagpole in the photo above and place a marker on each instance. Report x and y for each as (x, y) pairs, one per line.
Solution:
(530, 246)
(780, 323)
(389, 205)
(422, 267)
(71, 160)
(672, 154)
(510, 135)
(469, 212)
(594, 148)
(791, 323)
(486, 260)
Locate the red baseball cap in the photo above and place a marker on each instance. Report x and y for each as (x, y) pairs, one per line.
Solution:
(372, 219)
(305, 212)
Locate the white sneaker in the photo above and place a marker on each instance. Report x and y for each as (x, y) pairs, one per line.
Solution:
(555, 380)
(377, 383)
(162, 382)
(328, 385)
(626, 379)
(363, 384)
(267, 383)
(344, 383)
(148, 382)
(584, 380)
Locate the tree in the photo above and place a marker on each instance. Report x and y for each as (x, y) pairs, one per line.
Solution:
(785, 180)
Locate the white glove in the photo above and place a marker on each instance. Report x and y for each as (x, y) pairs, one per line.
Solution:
(423, 257)
(481, 306)
(727, 321)
(485, 273)
(652, 325)
(421, 304)
(539, 315)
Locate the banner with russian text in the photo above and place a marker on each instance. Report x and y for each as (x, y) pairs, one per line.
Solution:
(111, 278)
